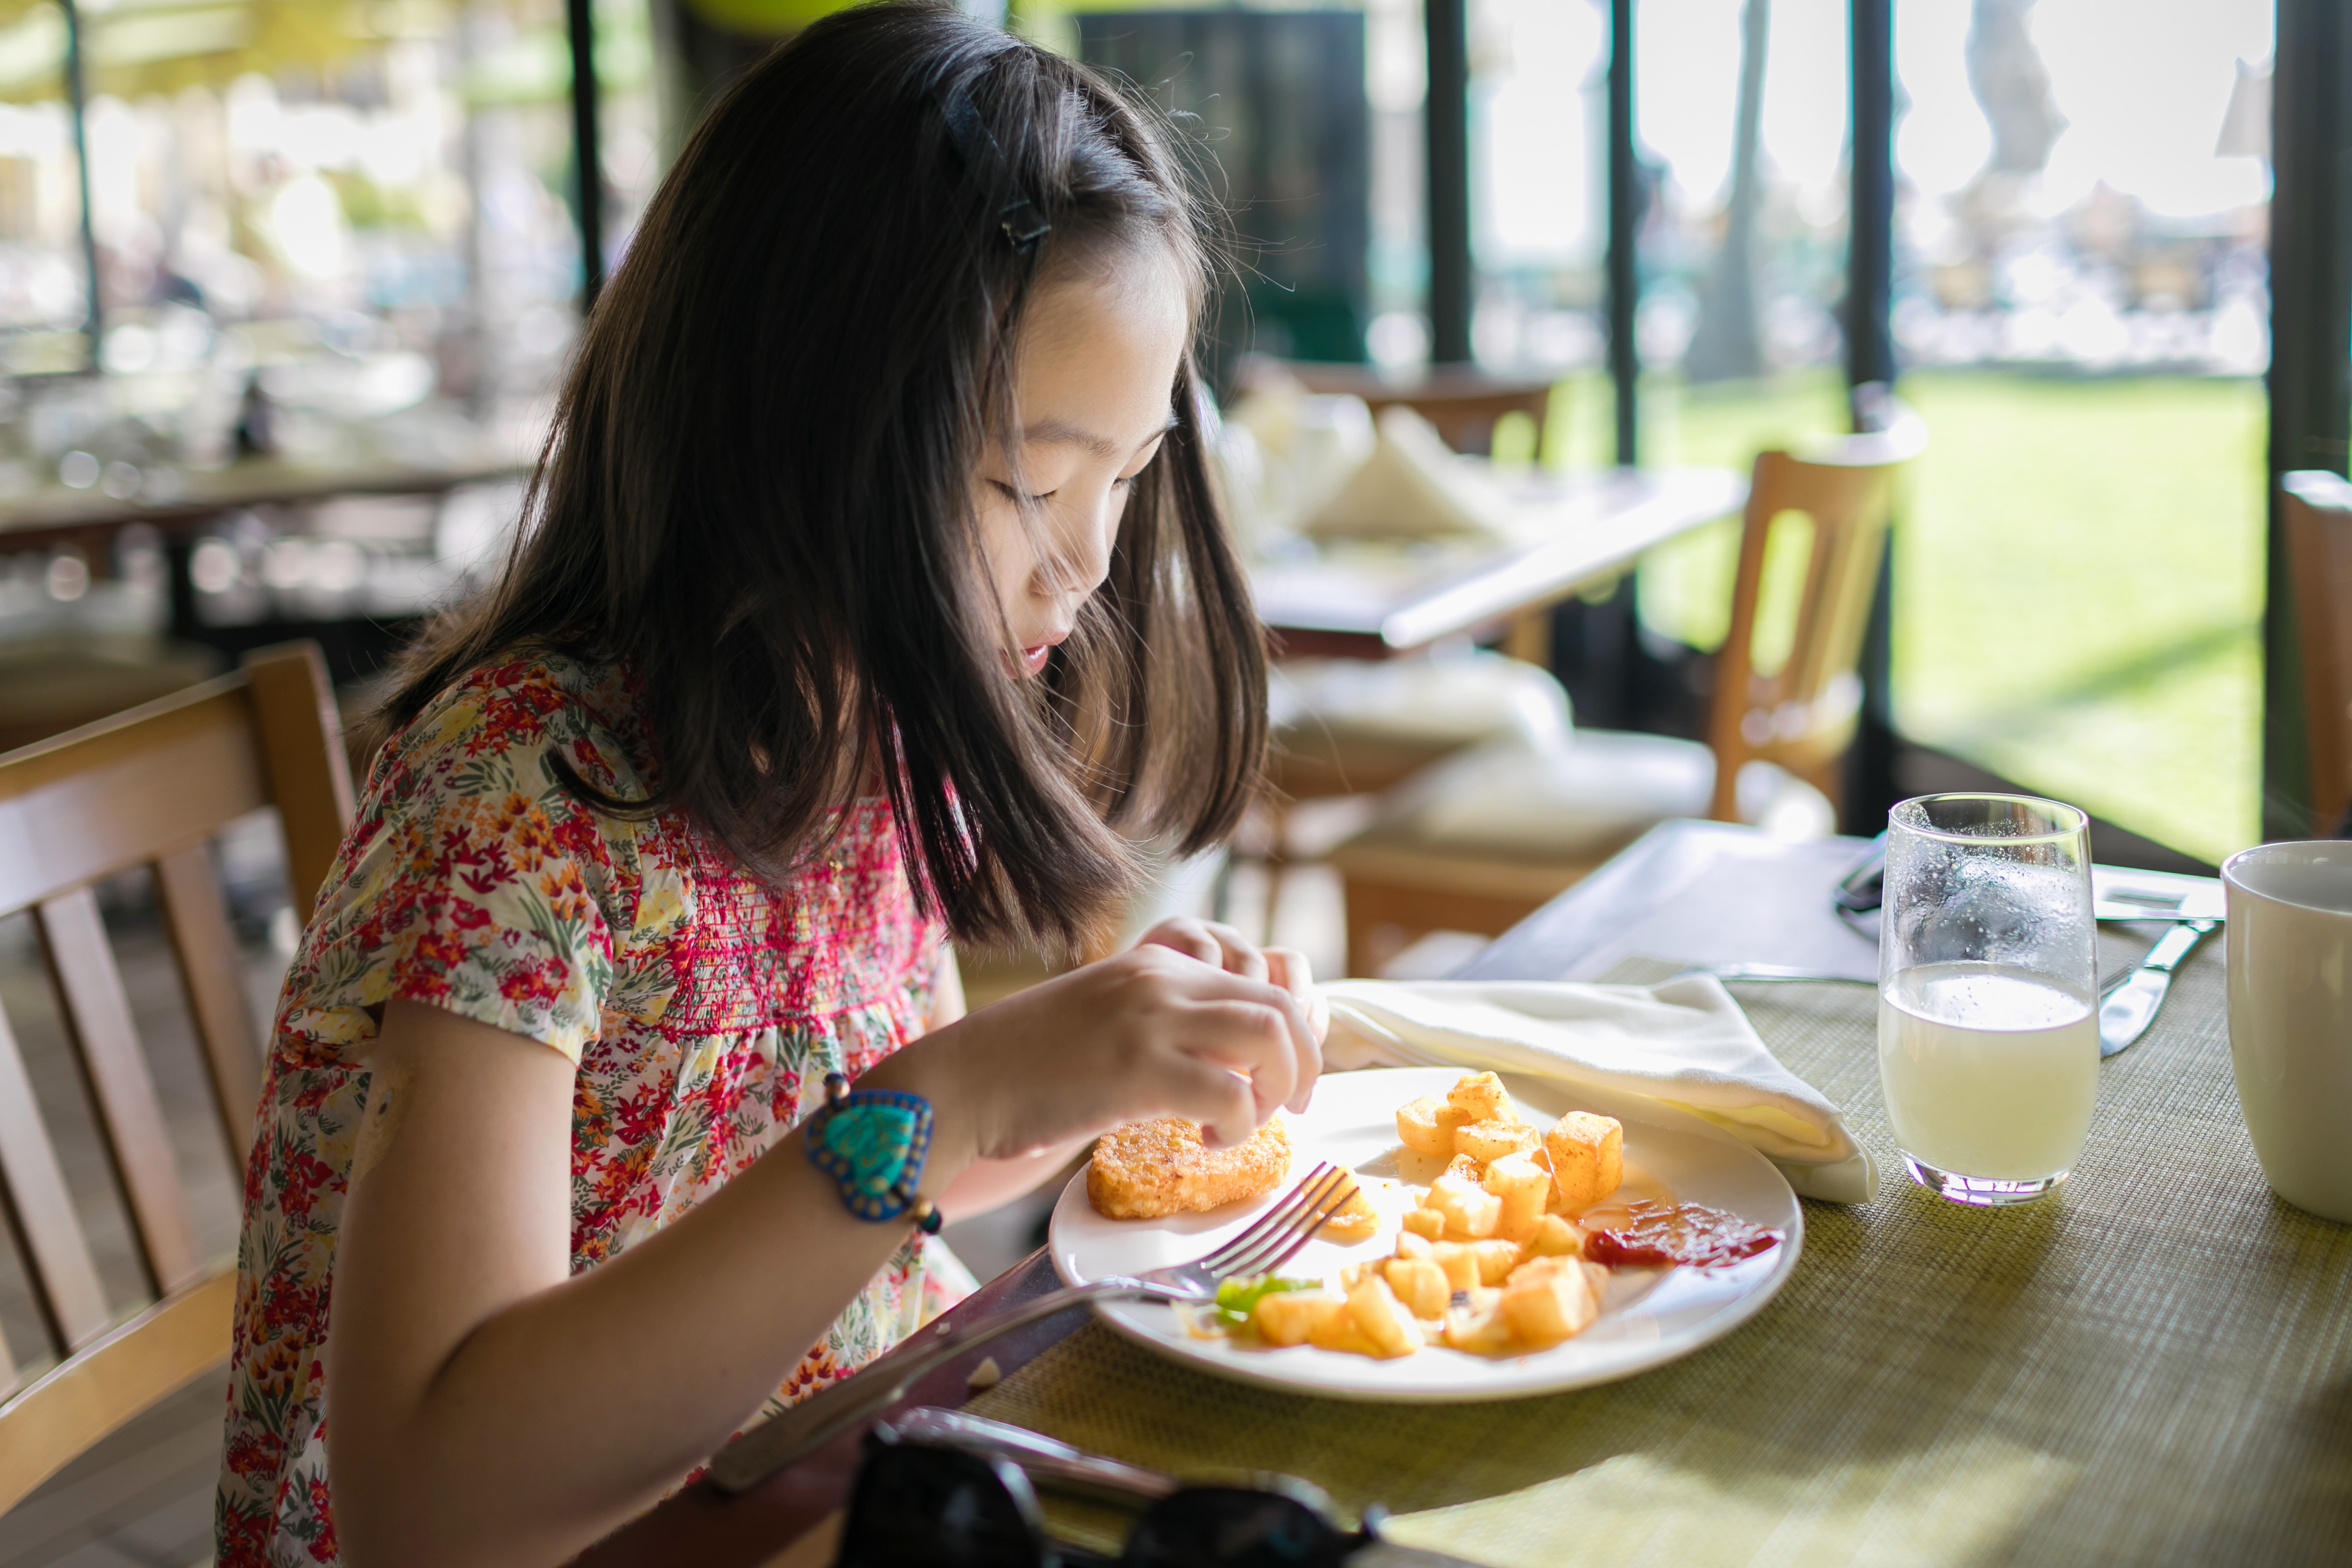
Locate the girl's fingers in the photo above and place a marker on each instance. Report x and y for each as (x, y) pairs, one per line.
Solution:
(1288, 970)
(1266, 1037)
(1211, 942)
(1238, 954)
(1252, 1038)
(1221, 1100)
(1190, 937)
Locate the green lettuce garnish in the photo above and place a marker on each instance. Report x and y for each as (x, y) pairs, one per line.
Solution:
(1237, 1298)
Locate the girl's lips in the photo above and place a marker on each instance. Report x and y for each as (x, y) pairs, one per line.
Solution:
(1034, 658)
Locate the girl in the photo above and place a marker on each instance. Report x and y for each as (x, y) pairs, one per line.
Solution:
(875, 594)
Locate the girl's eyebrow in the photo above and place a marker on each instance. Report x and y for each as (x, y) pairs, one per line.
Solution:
(1061, 433)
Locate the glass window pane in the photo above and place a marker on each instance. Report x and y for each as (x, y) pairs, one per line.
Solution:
(362, 212)
(1538, 153)
(1740, 113)
(2081, 299)
(42, 292)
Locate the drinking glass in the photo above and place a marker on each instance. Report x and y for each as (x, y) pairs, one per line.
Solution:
(1988, 994)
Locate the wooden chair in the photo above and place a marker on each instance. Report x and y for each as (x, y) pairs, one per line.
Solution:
(147, 788)
(1437, 861)
(2316, 507)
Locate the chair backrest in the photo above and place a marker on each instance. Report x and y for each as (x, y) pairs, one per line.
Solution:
(2317, 508)
(147, 788)
(1801, 714)
(1464, 405)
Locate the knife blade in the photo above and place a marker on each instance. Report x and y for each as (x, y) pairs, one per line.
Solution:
(2132, 1006)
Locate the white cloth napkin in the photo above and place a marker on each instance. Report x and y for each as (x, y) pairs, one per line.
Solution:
(1684, 1044)
(1412, 486)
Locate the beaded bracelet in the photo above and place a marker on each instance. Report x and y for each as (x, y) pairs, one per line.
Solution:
(873, 1142)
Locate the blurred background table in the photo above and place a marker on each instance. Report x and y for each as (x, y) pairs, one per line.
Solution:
(187, 570)
(1367, 599)
(183, 503)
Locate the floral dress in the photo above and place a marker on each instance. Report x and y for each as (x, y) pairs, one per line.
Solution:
(701, 1006)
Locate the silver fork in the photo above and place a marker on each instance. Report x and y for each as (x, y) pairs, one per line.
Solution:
(1269, 1242)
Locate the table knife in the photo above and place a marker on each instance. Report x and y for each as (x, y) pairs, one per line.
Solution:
(2132, 1006)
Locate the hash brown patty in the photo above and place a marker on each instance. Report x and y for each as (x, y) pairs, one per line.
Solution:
(1150, 1169)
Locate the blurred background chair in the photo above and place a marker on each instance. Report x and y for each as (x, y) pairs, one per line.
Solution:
(1482, 839)
(148, 789)
(2317, 506)
(1357, 726)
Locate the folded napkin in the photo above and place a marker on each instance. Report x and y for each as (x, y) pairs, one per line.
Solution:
(1412, 486)
(1684, 1044)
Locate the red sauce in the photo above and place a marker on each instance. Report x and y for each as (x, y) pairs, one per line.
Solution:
(1661, 1234)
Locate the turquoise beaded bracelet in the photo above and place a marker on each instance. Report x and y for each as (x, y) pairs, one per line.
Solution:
(873, 1142)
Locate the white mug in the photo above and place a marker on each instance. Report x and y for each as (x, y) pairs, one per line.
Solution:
(2290, 956)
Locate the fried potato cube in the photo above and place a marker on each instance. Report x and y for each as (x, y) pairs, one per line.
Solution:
(1427, 1224)
(1288, 1317)
(1553, 1237)
(1496, 1260)
(1483, 1096)
(1411, 1244)
(1588, 1158)
(1421, 1285)
(1339, 1332)
(1550, 1299)
(1489, 1141)
(1524, 1188)
(1426, 1125)
(1355, 1220)
(1464, 1165)
(1460, 1264)
(1470, 1210)
(1383, 1319)
(1479, 1326)
(1362, 1268)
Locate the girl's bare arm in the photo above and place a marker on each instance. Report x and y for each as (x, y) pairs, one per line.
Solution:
(488, 1406)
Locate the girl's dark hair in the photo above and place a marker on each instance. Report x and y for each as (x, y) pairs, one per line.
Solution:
(757, 492)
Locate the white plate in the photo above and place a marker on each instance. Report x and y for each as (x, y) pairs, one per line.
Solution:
(1649, 1316)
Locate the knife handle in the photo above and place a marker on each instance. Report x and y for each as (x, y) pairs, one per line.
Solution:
(2175, 945)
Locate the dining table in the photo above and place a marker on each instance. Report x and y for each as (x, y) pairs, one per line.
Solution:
(1568, 532)
(2152, 1366)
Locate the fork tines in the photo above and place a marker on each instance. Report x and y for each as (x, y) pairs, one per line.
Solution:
(1285, 1227)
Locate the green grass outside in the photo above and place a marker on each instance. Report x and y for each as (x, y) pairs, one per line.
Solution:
(2078, 576)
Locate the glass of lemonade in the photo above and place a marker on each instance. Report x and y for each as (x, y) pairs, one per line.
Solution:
(1988, 994)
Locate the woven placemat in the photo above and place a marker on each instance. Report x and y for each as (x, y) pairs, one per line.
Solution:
(2152, 1366)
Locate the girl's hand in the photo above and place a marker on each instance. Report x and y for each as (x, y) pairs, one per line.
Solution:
(1212, 941)
(1150, 1033)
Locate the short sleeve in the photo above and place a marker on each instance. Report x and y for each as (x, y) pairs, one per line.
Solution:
(471, 881)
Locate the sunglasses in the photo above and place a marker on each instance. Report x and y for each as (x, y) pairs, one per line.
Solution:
(916, 1505)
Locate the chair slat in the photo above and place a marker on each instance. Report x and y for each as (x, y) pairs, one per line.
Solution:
(194, 912)
(2318, 510)
(310, 778)
(137, 1366)
(118, 793)
(9, 1380)
(98, 1016)
(72, 1302)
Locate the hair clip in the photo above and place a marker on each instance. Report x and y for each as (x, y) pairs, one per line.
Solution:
(1022, 223)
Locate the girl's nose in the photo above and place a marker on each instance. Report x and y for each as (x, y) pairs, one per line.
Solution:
(1083, 558)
